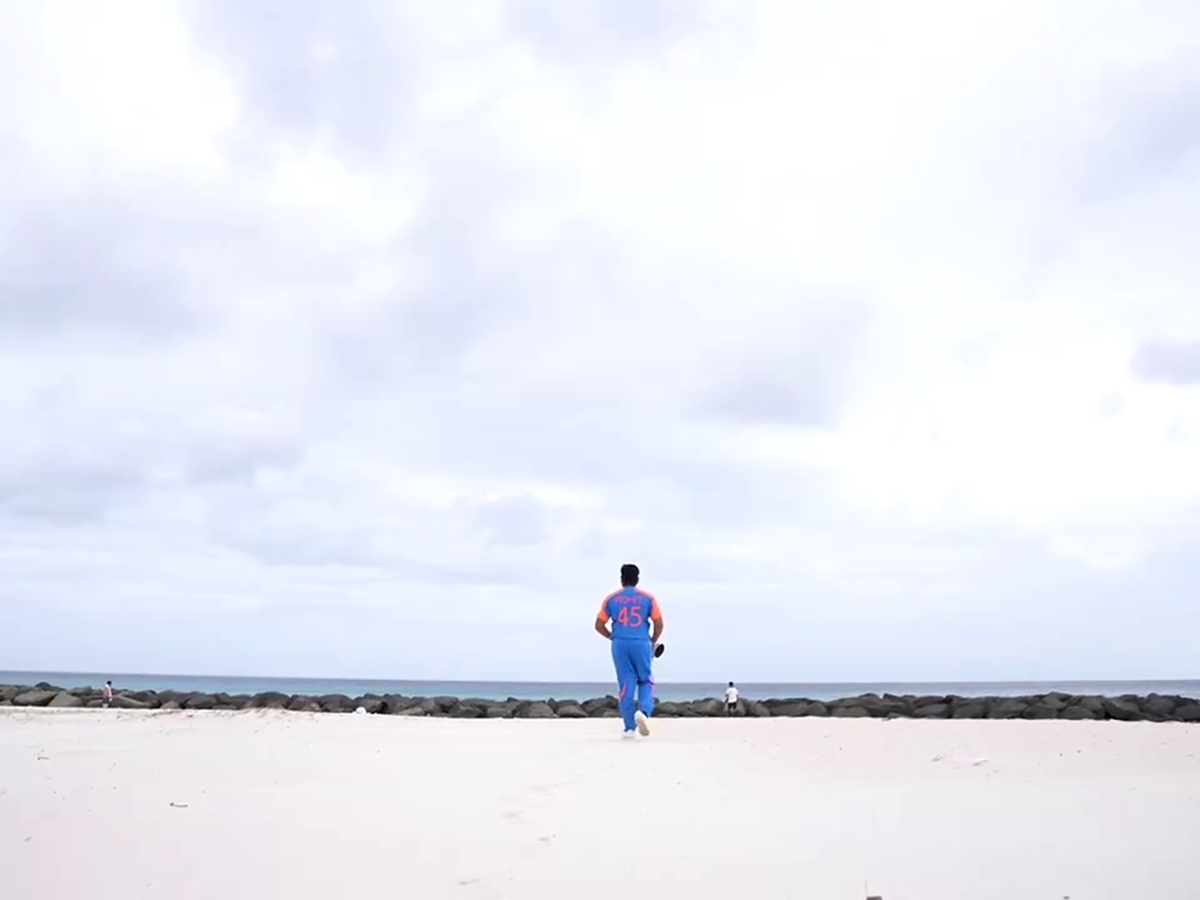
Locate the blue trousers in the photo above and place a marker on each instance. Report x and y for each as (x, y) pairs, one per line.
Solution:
(633, 658)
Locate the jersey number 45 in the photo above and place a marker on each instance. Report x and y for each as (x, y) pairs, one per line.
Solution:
(630, 616)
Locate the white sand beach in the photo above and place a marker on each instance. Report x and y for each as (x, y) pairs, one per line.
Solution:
(127, 805)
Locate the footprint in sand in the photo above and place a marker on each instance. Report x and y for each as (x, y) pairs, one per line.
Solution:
(513, 816)
(477, 887)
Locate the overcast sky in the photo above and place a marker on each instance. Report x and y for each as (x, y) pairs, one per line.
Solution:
(369, 339)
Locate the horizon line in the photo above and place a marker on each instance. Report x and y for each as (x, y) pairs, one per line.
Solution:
(357, 679)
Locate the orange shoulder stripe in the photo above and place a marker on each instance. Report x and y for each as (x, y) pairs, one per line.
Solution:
(603, 615)
(655, 612)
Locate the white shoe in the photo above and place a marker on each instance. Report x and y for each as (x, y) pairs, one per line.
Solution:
(627, 735)
(643, 724)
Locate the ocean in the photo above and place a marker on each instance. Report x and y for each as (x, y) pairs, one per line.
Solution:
(534, 690)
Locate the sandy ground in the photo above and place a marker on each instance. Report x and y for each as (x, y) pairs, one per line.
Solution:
(106, 804)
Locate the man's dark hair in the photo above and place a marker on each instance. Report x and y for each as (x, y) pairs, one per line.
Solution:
(731, 684)
(629, 575)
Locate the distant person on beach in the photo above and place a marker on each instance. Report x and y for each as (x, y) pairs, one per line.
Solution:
(106, 695)
(731, 698)
(631, 620)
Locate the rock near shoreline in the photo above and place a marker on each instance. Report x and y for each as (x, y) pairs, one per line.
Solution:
(1126, 708)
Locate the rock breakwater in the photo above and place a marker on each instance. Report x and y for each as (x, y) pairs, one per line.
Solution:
(1126, 708)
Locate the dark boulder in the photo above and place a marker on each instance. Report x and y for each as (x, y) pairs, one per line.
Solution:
(1092, 704)
(372, 704)
(893, 706)
(1006, 708)
(501, 710)
(124, 701)
(931, 711)
(1040, 710)
(1123, 709)
(335, 703)
(591, 707)
(1079, 713)
(864, 701)
(875, 706)
(667, 709)
(538, 710)
(201, 702)
(1159, 706)
(569, 709)
(1188, 712)
(772, 702)
(463, 710)
(269, 700)
(8, 692)
(709, 707)
(36, 697)
(65, 700)
(484, 702)
(932, 700)
(969, 709)
(394, 703)
(756, 710)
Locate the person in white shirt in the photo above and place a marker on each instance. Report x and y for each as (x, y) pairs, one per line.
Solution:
(731, 698)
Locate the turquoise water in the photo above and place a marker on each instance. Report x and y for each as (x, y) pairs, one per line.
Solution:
(533, 690)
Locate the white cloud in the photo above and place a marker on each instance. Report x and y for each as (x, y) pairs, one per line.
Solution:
(93, 88)
(373, 341)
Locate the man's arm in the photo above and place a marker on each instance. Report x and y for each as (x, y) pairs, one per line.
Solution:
(656, 622)
(602, 618)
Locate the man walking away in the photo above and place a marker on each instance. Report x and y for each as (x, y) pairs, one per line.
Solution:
(731, 697)
(636, 625)
(106, 695)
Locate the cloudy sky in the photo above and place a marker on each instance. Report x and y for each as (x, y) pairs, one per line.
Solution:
(371, 338)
